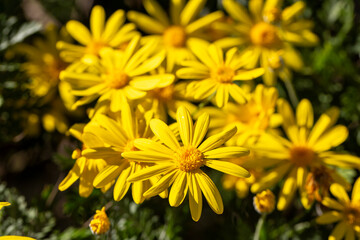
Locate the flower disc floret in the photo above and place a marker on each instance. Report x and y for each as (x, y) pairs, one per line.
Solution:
(352, 213)
(174, 36)
(223, 74)
(117, 79)
(264, 34)
(189, 158)
(302, 155)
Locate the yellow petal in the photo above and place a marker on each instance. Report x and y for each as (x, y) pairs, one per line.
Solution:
(152, 171)
(293, 11)
(4, 204)
(331, 138)
(305, 114)
(190, 11)
(222, 95)
(217, 140)
(228, 168)
(73, 174)
(195, 197)
(164, 133)
(339, 192)
(178, 190)
(339, 231)
(237, 11)
(146, 156)
(355, 196)
(146, 23)
(186, 127)
(210, 192)
(331, 203)
(79, 32)
(200, 129)
(138, 188)
(156, 11)
(226, 152)
(122, 186)
(150, 145)
(97, 20)
(203, 22)
(12, 237)
(113, 24)
(176, 6)
(244, 75)
(288, 190)
(162, 184)
(108, 174)
(329, 217)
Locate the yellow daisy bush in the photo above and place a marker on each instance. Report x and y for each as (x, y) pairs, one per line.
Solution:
(112, 33)
(267, 32)
(306, 150)
(178, 165)
(343, 210)
(122, 76)
(118, 134)
(84, 169)
(211, 74)
(251, 119)
(173, 32)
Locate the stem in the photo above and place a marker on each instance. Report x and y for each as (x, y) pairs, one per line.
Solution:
(291, 91)
(259, 226)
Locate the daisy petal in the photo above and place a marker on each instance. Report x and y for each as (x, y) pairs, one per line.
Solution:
(113, 24)
(226, 152)
(164, 133)
(178, 190)
(150, 145)
(149, 172)
(355, 196)
(210, 191)
(329, 217)
(331, 203)
(146, 23)
(73, 174)
(288, 190)
(108, 174)
(190, 11)
(339, 231)
(162, 184)
(304, 114)
(195, 198)
(79, 32)
(201, 126)
(339, 192)
(217, 140)
(122, 186)
(228, 167)
(186, 127)
(97, 19)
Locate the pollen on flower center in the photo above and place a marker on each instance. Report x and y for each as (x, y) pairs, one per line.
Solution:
(352, 213)
(94, 48)
(302, 155)
(175, 36)
(163, 94)
(264, 34)
(223, 74)
(272, 15)
(189, 158)
(117, 79)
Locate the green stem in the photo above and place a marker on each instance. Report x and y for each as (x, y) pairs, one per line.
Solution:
(259, 226)
(291, 91)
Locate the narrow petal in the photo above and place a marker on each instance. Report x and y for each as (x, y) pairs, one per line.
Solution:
(73, 174)
(186, 127)
(190, 11)
(203, 22)
(97, 21)
(138, 188)
(201, 126)
(244, 75)
(146, 23)
(305, 114)
(355, 196)
(146, 156)
(164, 133)
(156, 11)
(339, 192)
(79, 32)
(210, 191)
(195, 197)
(331, 203)
(122, 186)
(108, 174)
(113, 24)
(217, 140)
(237, 11)
(339, 231)
(331, 138)
(150, 145)
(329, 217)
(149, 172)
(178, 190)
(228, 168)
(162, 184)
(226, 152)
(288, 190)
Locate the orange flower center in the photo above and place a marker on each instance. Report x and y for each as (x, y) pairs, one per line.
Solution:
(94, 48)
(317, 183)
(189, 158)
(352, 213)
(264, 34)
(223, 74)
(163, 94)
(272, 15)
(175, 36)
(302, 155)
(117, 79)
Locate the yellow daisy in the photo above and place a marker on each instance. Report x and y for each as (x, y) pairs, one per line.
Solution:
(119, 135)
(4, 204)
(179, 164)
(113, 34)
(84, 168)
(344, 211)
(173, 32)
(121, 76)
(306, 151)
(212, 74)
(251, 119)
(265, 31)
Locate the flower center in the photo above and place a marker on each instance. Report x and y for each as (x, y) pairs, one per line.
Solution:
(272, 15)
(117, 79)
(223, 74)
(175, 36)
(189, 158)
(317, 183)
(302, 156)
(352, 213)
(264, 34)
(94, 48)
(163, 94)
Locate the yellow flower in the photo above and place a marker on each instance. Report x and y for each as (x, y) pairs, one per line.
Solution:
(179, 165)
(265, 31)
(4, 204)
(121, 77)
(165, 100)
(264, 202)
(113, 34)
(118, 135)
(173, 33)
(306, 150)
(344, 211)
(84, 169)
(251, 119)
(212, 74)
(100, 223)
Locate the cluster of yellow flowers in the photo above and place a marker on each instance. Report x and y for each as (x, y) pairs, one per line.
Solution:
(189, 67)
